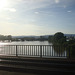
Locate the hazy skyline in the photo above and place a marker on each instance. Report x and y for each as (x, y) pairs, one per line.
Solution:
(37, 17)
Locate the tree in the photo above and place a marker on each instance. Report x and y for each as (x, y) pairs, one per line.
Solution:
(2, 37)
(50, 38)
(59, 38)
(41, 38)
(9, 37)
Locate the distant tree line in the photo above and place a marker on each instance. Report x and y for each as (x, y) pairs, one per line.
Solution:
(41, 38)
(10, 38)
(3, 38)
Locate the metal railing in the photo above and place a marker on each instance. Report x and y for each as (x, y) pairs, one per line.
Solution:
(35, 50)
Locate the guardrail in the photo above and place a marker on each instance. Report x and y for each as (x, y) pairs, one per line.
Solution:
(35, 50)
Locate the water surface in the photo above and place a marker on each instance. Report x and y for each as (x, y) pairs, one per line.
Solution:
(47, 51)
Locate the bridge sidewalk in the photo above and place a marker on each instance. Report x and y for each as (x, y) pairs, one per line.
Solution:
(38, 58)
(37, 65)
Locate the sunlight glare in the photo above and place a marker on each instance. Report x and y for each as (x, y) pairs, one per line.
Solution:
(3, 4)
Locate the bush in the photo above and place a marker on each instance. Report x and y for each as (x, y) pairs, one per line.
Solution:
(72, 50)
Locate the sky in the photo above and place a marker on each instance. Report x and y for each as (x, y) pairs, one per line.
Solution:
(37, 17)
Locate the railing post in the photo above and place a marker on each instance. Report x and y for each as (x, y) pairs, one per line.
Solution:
(40, 51)
(16, 51)
(69, 52)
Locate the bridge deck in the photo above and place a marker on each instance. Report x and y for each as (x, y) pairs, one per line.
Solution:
(37, 65)
(37, 58)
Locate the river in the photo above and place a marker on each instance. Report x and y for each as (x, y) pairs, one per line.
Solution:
(27, 43)
(31, 48)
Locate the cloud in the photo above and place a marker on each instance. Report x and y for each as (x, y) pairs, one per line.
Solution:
(21, 29)
(19, 0)
(11, 9)
(36, 12)
(69, 11)
(6, 28)
(35, 4)
(57, 1)
(8, 18)
(64, 6)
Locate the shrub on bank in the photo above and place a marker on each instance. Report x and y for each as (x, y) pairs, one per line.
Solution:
(72, 50)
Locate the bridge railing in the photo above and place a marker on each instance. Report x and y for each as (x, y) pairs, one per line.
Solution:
(35, 50)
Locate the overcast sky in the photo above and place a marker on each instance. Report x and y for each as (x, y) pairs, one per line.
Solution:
(37, 17)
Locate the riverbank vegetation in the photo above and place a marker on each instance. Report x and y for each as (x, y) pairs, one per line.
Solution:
(60, 39)
(57, 39)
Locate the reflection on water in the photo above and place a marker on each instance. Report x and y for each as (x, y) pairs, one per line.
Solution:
(32, 48)
(31, 43)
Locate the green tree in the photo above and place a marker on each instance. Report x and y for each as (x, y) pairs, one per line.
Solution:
(41, 38)
(2, 37)
(50, 38)
(9, 37)
(59, 38)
